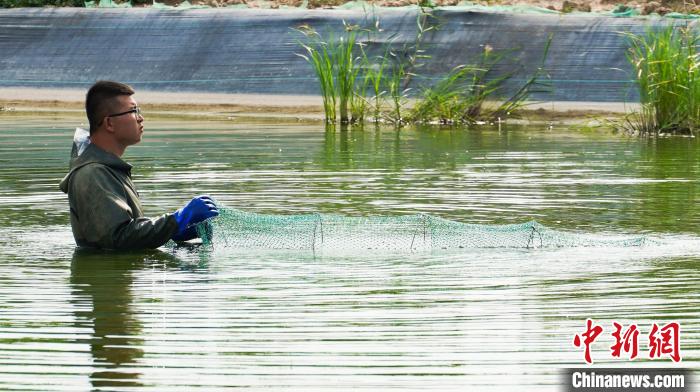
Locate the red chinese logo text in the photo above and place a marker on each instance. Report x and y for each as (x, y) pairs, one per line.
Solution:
(663, 341)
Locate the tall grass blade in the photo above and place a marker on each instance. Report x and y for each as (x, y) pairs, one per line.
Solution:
(666, 69)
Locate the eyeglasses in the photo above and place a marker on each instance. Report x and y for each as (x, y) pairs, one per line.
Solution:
(136, 111)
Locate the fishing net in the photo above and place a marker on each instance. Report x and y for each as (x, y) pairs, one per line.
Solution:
(246, 230)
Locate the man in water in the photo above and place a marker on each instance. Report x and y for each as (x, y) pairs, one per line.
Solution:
(105, 210)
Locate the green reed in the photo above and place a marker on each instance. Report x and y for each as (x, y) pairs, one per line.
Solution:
(536, 83)
(374, 80)
(404, 66)
(346, 69)
(337, 68)
(398, 93)
(459, 96)
(352, 82)
(462, 95)
(666, 68)
(321, 57)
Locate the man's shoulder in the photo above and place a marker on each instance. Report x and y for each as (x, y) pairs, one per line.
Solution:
(94, 169)
(90, 169)
(93, 173)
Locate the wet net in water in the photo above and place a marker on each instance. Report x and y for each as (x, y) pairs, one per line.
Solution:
(247, 230)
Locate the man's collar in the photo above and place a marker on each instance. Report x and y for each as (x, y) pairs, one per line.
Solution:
(94, 154)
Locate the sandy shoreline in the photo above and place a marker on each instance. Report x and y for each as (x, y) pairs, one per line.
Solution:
(226, 106)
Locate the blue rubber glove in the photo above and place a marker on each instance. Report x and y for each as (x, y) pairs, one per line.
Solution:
(197, 210)
(190, 233)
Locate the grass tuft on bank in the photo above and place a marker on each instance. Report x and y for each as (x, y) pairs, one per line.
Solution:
(667, 74)
(376, 88)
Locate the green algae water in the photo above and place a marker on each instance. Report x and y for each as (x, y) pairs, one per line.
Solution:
(215, 318)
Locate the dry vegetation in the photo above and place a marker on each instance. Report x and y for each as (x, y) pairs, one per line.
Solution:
(643, 6)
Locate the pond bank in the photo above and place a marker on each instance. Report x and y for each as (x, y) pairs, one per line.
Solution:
(260, 106)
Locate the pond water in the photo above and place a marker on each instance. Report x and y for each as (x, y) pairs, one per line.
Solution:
(200, 318)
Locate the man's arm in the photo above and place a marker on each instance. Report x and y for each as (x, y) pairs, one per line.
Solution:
(105, 217)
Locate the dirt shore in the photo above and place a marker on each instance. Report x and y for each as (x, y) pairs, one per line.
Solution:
(242, 107)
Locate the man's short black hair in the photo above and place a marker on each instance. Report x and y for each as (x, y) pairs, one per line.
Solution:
(101, 99)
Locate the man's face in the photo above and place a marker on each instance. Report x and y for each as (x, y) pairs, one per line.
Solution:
(128, 127)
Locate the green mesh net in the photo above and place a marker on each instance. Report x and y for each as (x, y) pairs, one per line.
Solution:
(246, 230)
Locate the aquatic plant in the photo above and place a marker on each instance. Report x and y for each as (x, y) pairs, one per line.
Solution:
(346, 68)
(535, 84)
(404, 65)
(642, 121)
(398, 94)
(666, 68)
(373, 80)
(358, 101)
(337, 68)
(320, 56)
(461, 96)
(348, 75)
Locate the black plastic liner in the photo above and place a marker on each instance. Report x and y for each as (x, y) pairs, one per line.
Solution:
(254, 51)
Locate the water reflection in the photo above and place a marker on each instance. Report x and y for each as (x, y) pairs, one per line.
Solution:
(674, 165)
(208, 319)
(560, 177)
(101, 283)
